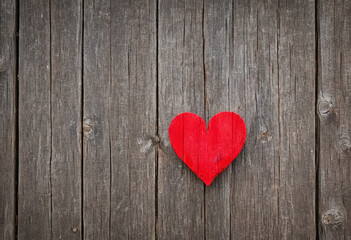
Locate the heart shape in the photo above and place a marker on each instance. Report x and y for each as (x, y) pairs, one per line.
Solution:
(207, 152)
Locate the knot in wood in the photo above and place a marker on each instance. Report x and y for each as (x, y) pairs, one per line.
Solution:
(265, 134)
(2, 64)
(332, 218)
(324, 106)
(145, 144)
(155, 140)
(87, 127)
(345, 144)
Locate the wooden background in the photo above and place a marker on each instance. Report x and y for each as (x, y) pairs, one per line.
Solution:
(88, 89)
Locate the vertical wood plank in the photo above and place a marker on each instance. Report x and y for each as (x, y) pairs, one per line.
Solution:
(66, 41)
(254, 95)
(334, 110)
(217, 36)
(96, 128)
(297, 74)
(34, 196)
(133, 119)
(181, 89)
(272, 86)
(7, 118)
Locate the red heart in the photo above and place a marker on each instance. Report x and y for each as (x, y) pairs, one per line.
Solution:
(207, 152)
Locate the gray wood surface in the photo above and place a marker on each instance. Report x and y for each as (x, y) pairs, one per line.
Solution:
(7, 118)
(249, 45)
(35, 122)
(274, 182)
(296, 77)
(334, 111)
(180, 89)
(96, 122)
(100, 81)
(65, 100)
(217, 25)
(133, 119)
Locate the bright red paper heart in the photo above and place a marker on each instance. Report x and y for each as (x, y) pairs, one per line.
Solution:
(207, 152)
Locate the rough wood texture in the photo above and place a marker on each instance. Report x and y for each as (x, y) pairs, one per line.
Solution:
(96, 127)
(334, 110)
(133, 119)
(34, 193)
(181, 89)
(296, 71)
(65, 169)
(273, 185)
(254, 94)
(7, 118)
(93, 145)
(217, 27)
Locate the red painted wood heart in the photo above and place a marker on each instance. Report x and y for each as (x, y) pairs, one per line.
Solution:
(207, 152)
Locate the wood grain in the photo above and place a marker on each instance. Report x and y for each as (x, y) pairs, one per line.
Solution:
(217, 22)
(99, 83)
(133, 119)
(334, 111)
(180, 89)
(35, 122)
(254, 94)
(96, 125)
(7, 118)
(272, 86)
(66, 90)
(297, 61)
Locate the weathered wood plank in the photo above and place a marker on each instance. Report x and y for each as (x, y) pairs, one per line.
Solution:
(217, 35)
(181, 89)
(66, 41)
(254, 95)
(34, 195)
(334, 109)
(7, 118)
(297, 73)
(272, 86)
(133, 119)
(97, 102)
